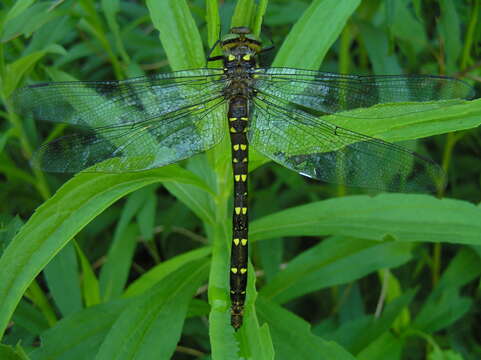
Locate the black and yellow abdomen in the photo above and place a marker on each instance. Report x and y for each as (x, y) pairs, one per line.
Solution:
(238, 124)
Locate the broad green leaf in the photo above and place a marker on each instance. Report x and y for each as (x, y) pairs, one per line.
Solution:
(314, 33)
(111, 9)
(19, 7)
(334, 261)
(59, 219)
(359, 333)
(408, 121)
(25, 19)
(377, 45)
(292, 336)
(146, 215)
(190, 197)
(445, 305)
(17, 69)
(387, 343)
(407, 27)
(405, 217)
(178, 33)
(63, 281)
(30, 318)
(114, 273)
(159, 272)
(243, 13)
(450, 31)
(79, 336)
(151, 326)
(12, 353)
(90, 284)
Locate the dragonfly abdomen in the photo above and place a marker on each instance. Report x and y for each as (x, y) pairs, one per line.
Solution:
(238, 124)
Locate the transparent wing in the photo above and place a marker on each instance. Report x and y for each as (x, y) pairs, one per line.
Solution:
(104, 103)
(137, 146)
(324, 151)
(332, 93)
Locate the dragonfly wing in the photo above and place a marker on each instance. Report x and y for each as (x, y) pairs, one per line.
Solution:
(103, 103)
(139, 146)
(331, 93)
(324, 151)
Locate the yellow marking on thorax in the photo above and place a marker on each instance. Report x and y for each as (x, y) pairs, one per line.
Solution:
(246, 57)
(231, 57)
(233, 130)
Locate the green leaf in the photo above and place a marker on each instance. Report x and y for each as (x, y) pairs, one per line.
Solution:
(90, 284)
(450, 31)
(59, 219)
(445, 305)
(292, 336)
(24, 19)
(146, 215)
(178, 33)
(30, 318)
(151, 326)
(79, 336)
(62, 278)
(334, 261)
(115, 271)
(243, 13)
(405, 217)
(408, 121)
(164, 269)
(357, 334)
(12, 353)
(314, 33)
(387, 343)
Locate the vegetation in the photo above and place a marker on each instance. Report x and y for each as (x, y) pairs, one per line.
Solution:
(135, 265)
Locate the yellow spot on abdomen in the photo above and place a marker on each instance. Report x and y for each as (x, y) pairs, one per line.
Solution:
(234, 270)
(236, 241)
(236, 147)
(232, 130)
(243, 270)
(244, 242)
(246, 57)
(237, 210)
(244, 177)
(244, 210)
(231, 58)
(243, 146)
(236, 177)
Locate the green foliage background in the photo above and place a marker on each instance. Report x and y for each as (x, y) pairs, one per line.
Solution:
(135, 266)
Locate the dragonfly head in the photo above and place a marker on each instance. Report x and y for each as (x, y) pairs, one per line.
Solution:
(241, 41)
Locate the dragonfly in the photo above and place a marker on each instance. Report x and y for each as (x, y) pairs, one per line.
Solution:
(152, 121)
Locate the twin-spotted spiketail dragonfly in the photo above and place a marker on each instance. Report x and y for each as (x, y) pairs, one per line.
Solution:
(147, 122)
